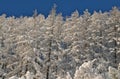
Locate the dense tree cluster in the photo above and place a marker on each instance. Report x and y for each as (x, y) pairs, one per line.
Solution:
(77, 47)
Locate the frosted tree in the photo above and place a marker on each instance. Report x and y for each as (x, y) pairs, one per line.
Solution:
(77, 47)
(115, 13)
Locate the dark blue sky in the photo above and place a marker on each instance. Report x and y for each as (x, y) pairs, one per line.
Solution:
(66, 7)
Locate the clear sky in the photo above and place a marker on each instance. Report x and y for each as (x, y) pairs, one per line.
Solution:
(66, 7)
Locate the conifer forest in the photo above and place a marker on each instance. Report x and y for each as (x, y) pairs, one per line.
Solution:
(80, 46)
